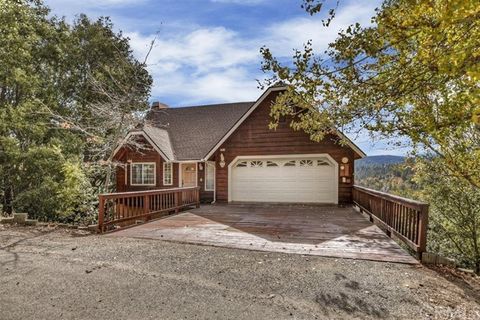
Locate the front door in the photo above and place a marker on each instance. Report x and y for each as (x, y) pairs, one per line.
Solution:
(189, 174)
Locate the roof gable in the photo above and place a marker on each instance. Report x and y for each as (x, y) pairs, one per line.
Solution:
(193, 131)
(274, 88)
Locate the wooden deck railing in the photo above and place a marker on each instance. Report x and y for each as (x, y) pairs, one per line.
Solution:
(405, 218)
(124, 208)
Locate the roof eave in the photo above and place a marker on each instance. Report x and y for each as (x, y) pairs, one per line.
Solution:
(350, 143)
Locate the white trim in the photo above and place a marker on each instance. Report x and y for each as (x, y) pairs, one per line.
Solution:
(188, 161)
(171, 174)
(137, 133)
(214, 172)
(180, 170)
(245, 116)
(144, 184)
(350, 143)
(288, 156)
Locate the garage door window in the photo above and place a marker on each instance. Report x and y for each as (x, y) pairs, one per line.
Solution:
(306, 163)
(271, 164)
(242, 164)
(322, 163)
(290, 163)
(256, 164)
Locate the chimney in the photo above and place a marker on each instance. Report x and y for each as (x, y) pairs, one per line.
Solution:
(157, 105)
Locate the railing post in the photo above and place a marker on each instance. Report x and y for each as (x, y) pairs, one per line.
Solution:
(146, 206)
(197, 197)
(422, 229)
(177, 195)
(101, 212)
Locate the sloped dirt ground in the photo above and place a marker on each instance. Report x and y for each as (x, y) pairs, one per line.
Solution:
(48, 273)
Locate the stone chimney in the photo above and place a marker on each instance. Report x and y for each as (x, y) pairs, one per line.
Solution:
(157, 105)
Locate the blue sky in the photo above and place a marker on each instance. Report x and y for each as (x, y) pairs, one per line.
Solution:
(207, 51)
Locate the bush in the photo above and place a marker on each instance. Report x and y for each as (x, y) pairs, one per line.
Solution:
(77, 196)
(51, 188)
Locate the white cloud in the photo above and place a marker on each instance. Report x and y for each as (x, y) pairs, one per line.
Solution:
(199, 64)
(291, 34)
(218, 64)
(209, 64)
(244, 2)
(86, 4)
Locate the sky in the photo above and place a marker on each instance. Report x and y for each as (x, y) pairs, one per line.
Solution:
(207, 51)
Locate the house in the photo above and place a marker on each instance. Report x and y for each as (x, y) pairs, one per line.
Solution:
(229, 152)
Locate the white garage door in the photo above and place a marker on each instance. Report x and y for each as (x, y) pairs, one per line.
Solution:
(284, 180)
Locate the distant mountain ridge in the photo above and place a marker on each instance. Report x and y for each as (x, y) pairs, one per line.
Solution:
(385, 173)
(380, 160)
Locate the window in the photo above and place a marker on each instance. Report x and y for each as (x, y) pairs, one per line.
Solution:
(142, 174)
(167, 174)
(306, 163)
(322, 163)
(290, 163)
(209, 176)
(271, 164)
(242, 164)
(256, 164)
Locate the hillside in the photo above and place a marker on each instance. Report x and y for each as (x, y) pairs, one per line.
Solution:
(385, 173)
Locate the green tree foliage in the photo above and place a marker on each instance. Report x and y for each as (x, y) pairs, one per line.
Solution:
(67, 95)
(414, 73)
(454, 213)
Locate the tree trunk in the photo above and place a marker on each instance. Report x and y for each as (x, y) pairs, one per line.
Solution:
(8, 200)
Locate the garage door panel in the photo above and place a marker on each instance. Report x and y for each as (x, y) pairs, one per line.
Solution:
(273, 181)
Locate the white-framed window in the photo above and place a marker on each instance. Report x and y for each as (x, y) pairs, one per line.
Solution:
(167, 173)
(142, 174)
(209, 176)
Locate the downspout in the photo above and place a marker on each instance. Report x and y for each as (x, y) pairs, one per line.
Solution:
(214, 193)
(215, 184)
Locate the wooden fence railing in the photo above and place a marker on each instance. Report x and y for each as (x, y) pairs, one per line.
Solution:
(124, 208)
(405, 218)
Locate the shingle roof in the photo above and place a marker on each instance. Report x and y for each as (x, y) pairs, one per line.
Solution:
(189, 133)
(161, 138)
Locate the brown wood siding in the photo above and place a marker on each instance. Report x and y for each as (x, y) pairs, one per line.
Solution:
(253, 137)
(152, 156)
(144, 156)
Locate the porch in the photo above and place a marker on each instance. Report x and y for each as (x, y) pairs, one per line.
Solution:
(329, 231)
(323, 230)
